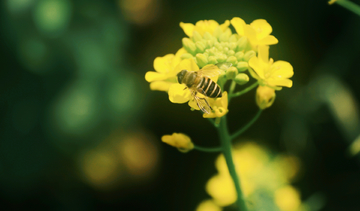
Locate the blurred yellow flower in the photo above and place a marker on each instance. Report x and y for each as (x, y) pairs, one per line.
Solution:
(265, 96)
(203, 26)
(270, 73)
(166, 71)
(259, 173)
(179, 140)
(287, 198)
(331, 2)
(208, 205)
(258, 32)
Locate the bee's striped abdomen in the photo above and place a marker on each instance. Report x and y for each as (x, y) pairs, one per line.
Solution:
(210, 88)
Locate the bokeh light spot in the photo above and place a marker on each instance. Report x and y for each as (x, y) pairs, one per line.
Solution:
(52, 16)
(33, 53)
(140, 11)
(16, 6)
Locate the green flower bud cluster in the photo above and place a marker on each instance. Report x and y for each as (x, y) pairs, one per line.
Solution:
(221, 47)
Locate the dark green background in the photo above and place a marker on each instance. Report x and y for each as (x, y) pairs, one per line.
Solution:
(102, 55)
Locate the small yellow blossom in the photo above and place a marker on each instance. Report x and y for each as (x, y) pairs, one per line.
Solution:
(258, 32)
(179, 140)
(259, 172)
(270, 73)
(203, 26)
(219, 106)
(166, 71)
(208, 205)
(287, 198)
(265, 96)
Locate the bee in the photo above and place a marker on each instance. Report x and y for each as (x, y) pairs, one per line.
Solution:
(199, 81)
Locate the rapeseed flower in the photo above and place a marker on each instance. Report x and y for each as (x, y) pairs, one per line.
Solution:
(179, 140)
(262, 175)
(270, 73)
(265, 97)
(258, 32)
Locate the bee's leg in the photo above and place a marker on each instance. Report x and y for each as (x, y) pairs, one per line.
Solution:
(206, 103)
(185, 88)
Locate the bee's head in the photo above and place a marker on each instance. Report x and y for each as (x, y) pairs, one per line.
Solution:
(181, 75)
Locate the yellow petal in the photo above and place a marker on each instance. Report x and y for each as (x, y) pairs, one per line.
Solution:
(250, 33)
(239, 25)
(257, 65)
(188, 28)
(287, 198)
(263, 52)
(225, 25)
(208, 205)
(192, 104)
(262, 28)
(180, 52)
(160, 85)
(178, 93)
(187, 64)
(154, 76)
(163, 64)
(282, 69)
(269, 40)
(280, 82)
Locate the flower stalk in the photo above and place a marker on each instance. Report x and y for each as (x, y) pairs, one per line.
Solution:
(225, 140)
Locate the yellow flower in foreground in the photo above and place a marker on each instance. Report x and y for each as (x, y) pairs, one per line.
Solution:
(179, 140)
(258, 32)
(265, 96)
(208, 205)
(203, 26)
(166, 71)
(287, 198)
(268, 72)
(260, 173)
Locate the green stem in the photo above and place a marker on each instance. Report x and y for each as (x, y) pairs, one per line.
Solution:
(208, 149)
(350, 6)
(244, 90)
(226, 146)
(243, 129)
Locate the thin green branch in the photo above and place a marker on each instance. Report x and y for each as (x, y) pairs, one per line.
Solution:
(244, 90)
(348, 5)
(227, 150)
(243, 129)
(208, 149)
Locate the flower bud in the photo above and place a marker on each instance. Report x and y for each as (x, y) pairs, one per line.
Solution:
(239, 55)
(232, 60)
(212, 60)
(265, 96)
(221, 57)
(207, 36)
(196, 36)
(186, 56)
(189, 45)
(179, 140)
(200, 46)
(201, 60)
(231, 73)
(241, 43)
(241, 78)
(248, 55)
(242, 66)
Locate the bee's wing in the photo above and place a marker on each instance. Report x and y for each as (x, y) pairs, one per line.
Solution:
(214, 70)
(202, 104)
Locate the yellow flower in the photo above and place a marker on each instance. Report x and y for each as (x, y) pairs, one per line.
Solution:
(258, 32)
(287, 198)
(260, 173)
(179, 140)
(208, 205)
(219, 106)
(268, 72)
(265, 96)
(166, 71)
(331, 2)
(203, 26)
